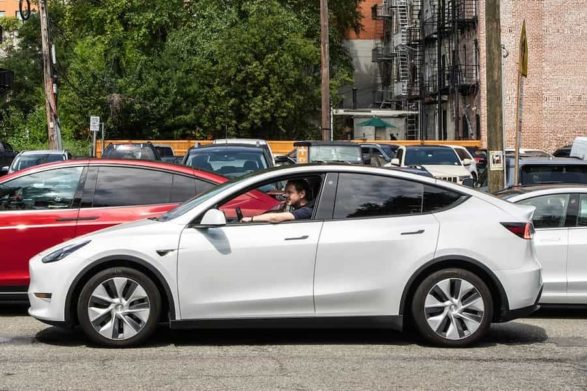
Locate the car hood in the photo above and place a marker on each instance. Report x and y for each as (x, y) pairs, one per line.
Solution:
(438, 170)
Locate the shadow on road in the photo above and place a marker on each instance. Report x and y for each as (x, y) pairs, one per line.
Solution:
(13, 310)
(509, 333)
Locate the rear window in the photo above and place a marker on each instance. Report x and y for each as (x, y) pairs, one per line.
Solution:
(26, 161)
(231, 164)
(130, 152)
(332, 153)
(550, 173)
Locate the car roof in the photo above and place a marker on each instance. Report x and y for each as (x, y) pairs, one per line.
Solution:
(428, 146)
(555, 161)
(122, 163)
(43, 152)
(522, 192)
(235, 147)
(325, 143)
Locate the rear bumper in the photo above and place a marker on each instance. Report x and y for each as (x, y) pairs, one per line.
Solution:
(520, 312)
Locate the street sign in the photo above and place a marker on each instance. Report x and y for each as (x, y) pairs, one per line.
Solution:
(94, 124)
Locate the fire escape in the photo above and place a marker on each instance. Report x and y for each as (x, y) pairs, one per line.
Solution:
(383, 54)
(408, 49)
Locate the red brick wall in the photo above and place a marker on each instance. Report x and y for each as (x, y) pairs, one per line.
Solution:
(9, 7)
(372, 29)
(555, 92)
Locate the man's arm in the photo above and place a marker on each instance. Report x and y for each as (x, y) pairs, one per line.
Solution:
(270, 218)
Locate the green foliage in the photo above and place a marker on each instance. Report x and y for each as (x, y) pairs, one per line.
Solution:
(177, 69)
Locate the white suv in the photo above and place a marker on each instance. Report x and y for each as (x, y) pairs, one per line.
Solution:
(380, 246)
(440, 160)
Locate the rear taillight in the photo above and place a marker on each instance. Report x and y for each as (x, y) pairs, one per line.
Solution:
(523, 230)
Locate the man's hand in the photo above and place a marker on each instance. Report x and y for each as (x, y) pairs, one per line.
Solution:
(246, 219)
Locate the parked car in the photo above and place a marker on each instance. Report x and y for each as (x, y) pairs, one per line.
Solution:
(131, 151)
(480, 156)
(440, 160)
(28, 159)
(381, 247)
(560, 220)
(535, 171)
(7, 154)
(45, 205)
(167, 154)
(467, 160)
(327, 152)
(564, 151)
(382, 153)
(528, 152)
(248, 141)
(230, 160)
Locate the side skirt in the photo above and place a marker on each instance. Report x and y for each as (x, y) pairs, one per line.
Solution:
(14, 295)
(350, 322)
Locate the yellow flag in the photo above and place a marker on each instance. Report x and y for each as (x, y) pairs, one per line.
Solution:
(524, 52)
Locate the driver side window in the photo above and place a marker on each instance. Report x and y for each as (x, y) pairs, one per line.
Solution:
(270, 197)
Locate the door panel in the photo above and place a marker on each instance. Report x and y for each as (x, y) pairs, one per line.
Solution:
(248, 270)
(362, 265)
(551, 249)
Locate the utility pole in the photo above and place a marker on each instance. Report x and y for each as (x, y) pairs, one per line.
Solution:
(325, 70)
(494, 96)
(54, 136)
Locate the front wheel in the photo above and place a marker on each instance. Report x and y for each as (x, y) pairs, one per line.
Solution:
(119, 307)
(452, 308)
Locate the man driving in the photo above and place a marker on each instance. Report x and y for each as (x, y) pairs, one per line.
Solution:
(297, 193)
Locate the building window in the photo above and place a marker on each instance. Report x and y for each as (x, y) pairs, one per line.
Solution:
(2, 14)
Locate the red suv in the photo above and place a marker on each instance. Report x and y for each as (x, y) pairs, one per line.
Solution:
(45, 205)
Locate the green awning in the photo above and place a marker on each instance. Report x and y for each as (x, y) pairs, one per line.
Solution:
(377, 122)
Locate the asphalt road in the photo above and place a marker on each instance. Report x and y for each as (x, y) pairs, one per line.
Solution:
(547, 351)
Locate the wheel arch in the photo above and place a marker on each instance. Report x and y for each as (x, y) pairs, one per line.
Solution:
(168, 302)
(498, 294)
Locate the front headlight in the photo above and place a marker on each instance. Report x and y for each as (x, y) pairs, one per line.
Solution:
(61, 253)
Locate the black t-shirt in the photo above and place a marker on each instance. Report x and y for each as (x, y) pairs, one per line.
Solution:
(303, 213)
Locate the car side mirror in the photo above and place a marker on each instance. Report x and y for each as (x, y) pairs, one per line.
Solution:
(395, 161)
(467, 162)
(212, 218)
(4, 170)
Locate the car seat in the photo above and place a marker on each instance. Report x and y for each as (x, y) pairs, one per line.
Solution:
(250, 165)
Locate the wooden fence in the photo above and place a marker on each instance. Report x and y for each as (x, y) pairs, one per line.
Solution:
(280, 147)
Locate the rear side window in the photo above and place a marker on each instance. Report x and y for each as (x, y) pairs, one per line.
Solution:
(437, 198)
(361, 195)
(185, 187)
(536, 174)
(551, 210)
(125, 186)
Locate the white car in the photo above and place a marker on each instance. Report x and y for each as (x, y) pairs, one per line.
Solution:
(560, 239)
(439, 160)
(467, 160)
(381, 246)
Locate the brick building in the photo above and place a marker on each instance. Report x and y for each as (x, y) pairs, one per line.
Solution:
(555, 97)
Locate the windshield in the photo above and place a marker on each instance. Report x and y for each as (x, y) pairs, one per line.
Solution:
(335, 153)
(26, 161)
(431, 156)
(230, 163)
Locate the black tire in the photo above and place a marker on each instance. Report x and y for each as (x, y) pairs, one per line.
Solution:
(461, 317)
(143, 306)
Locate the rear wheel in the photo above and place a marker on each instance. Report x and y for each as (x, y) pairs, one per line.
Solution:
(119, 307)
(452, 308)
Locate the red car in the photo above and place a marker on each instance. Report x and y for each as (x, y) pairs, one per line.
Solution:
(45, 205)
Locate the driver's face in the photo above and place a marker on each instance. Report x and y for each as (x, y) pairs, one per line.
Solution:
(292, 196)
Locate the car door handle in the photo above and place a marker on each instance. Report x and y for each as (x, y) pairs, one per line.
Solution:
(298, 238)
(62, 219)
(418, 232)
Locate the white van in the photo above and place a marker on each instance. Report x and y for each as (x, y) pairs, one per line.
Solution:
(579, 148)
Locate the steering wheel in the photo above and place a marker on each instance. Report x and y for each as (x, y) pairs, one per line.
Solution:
(239, 213)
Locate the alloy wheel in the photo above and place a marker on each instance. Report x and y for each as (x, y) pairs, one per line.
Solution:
(454, 308)
(119, 308)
